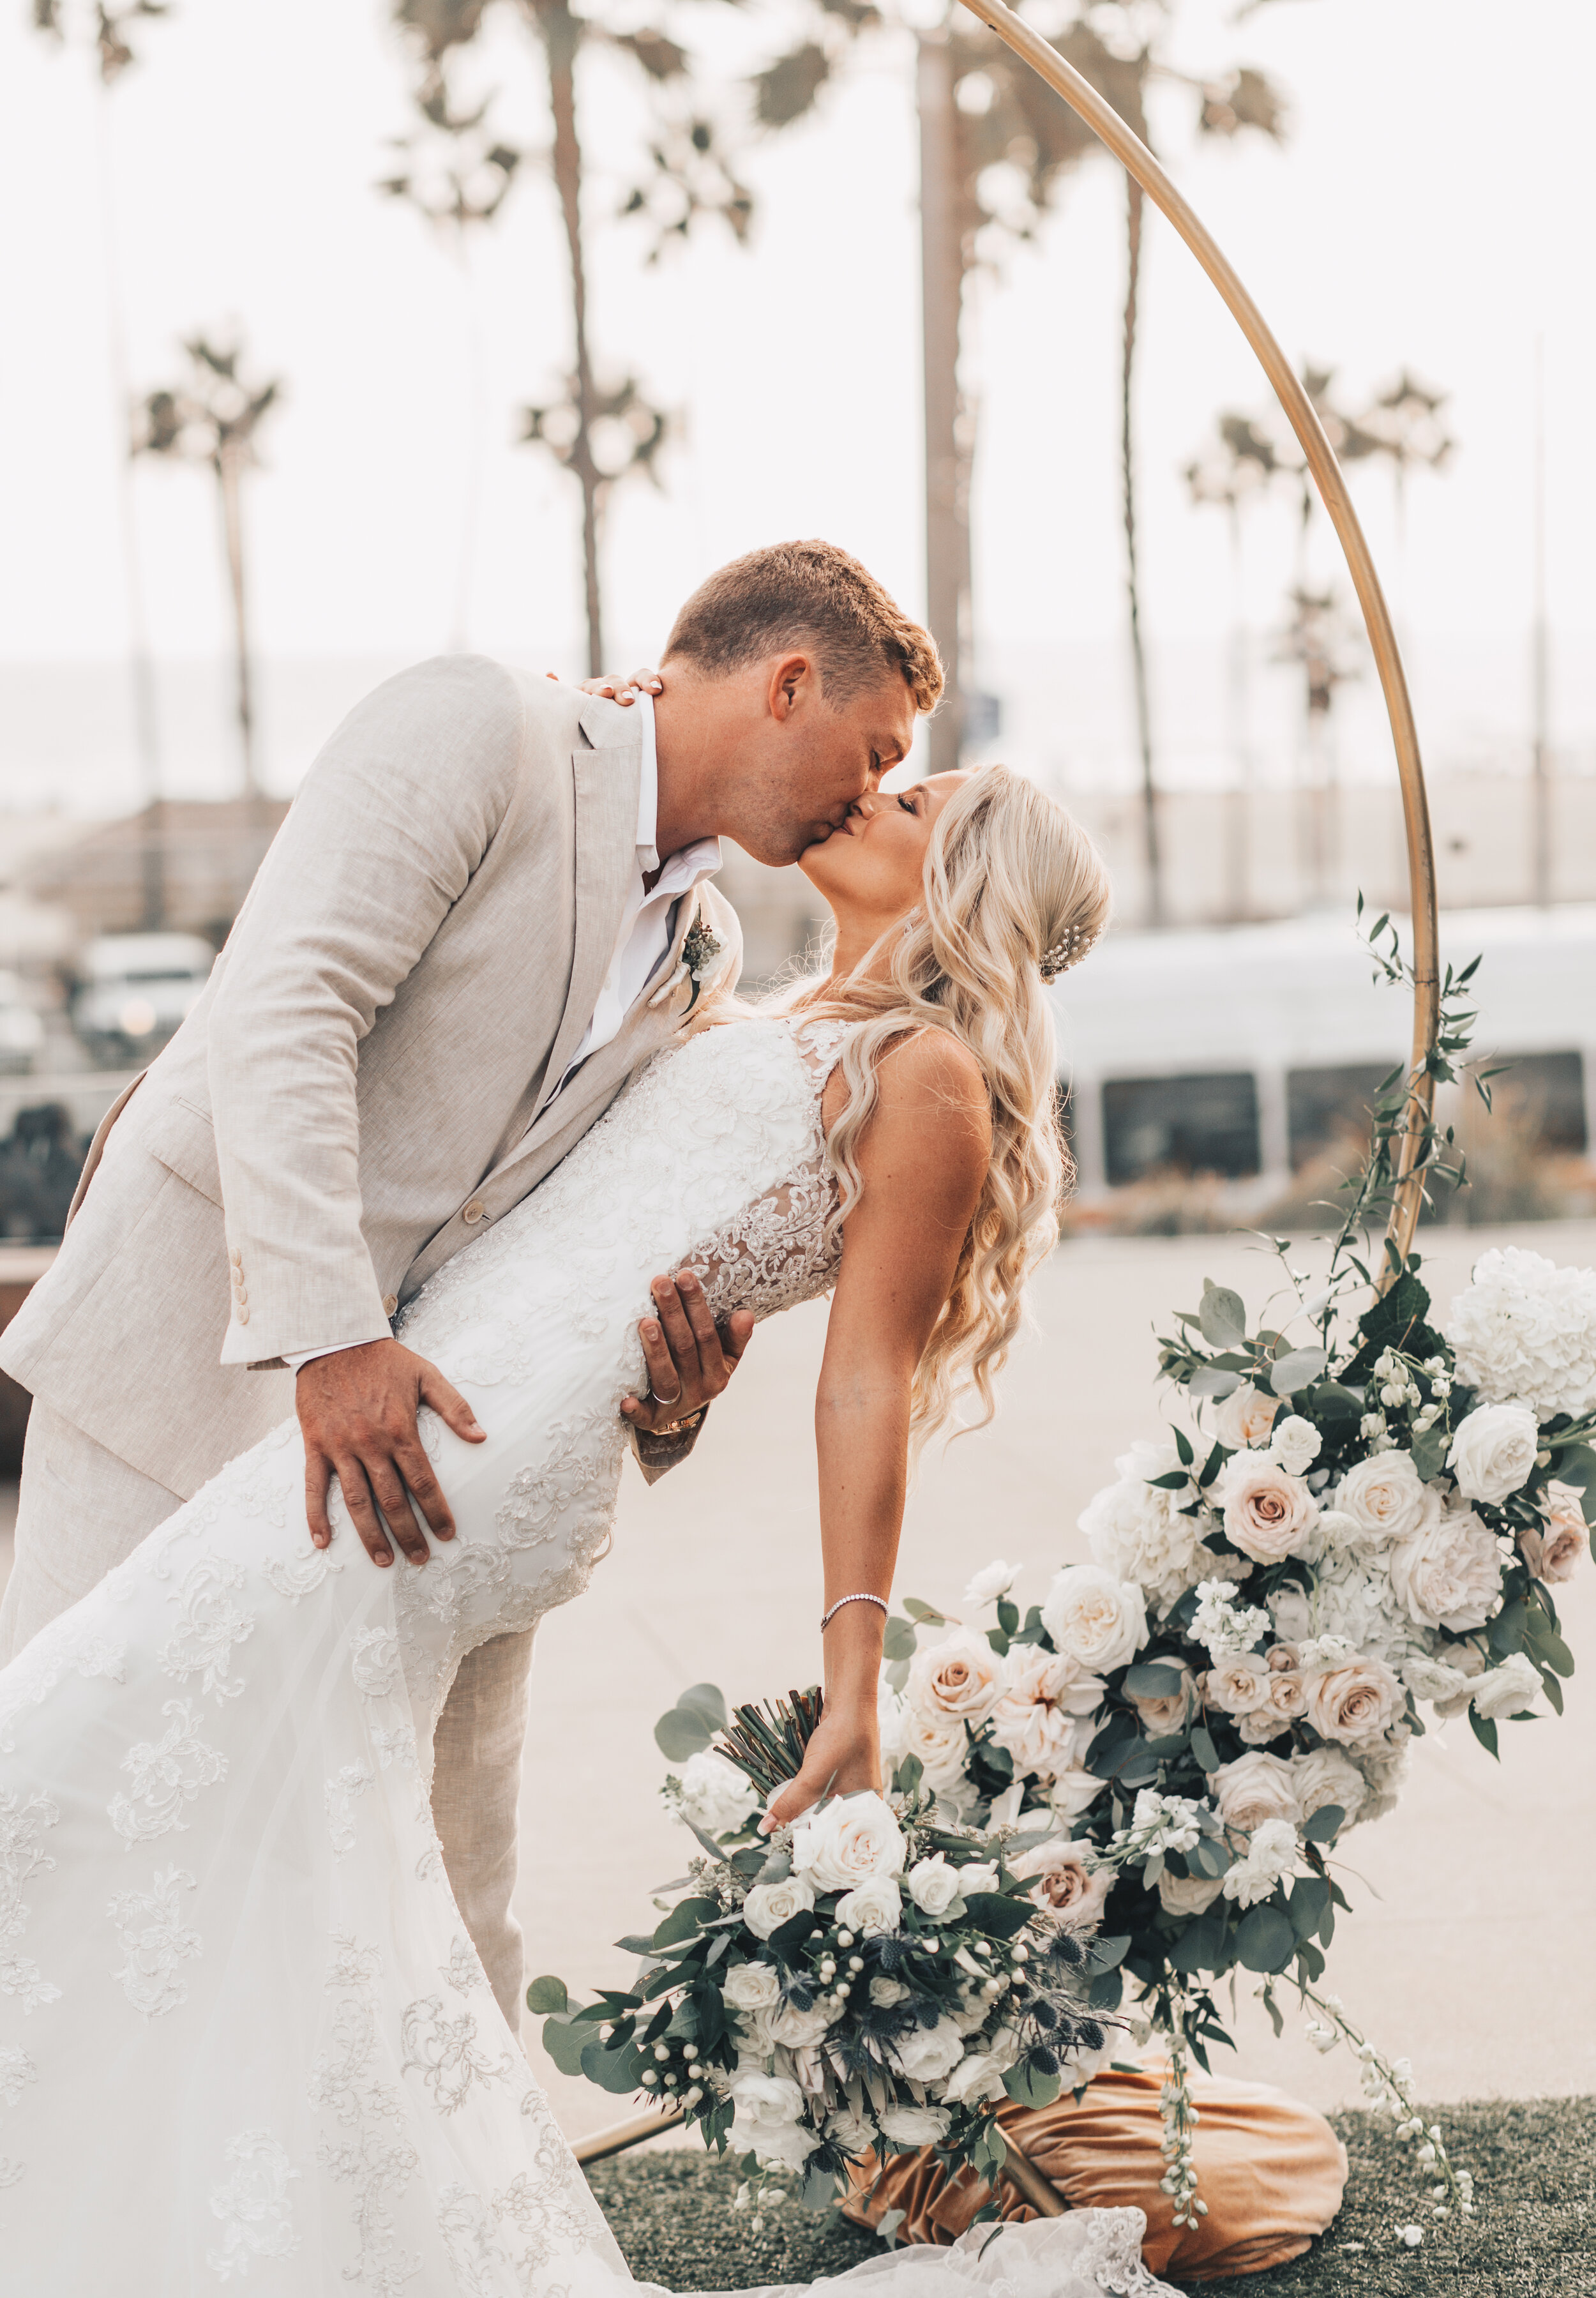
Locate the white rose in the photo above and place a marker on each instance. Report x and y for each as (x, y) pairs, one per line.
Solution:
(927, 2054)
(1066, 1884)
(955, 1682)
(1449, 1574)
(796, 2029)
(1164, 1712)
(1384, 1764)
(933, 1885)
(915, 2125)
(992, 1583)
(885, 1992)
(940, 1749)
(1355, 1702)
(1245, 1417)
(1071, 1795)
(1268, 1514)
(1448, 1683)
(1506, 1689)
(1270, 1853)
(1254, 1788)
(765, 2102)
(978, 1875)
(1553, 1555)
(715, 1795)
(1236, 1683)
(851, 2132)
(1188, 1895)
(1045, 1695)
(1326, 1776)
(769, 1905)
(752, 1986)
(1387, 1500)
(784, 2145)
(871, 1908)
(1295, 1444)
(849, 1841)
(1493, 1452)
(980, 2073)
(1098, 1620)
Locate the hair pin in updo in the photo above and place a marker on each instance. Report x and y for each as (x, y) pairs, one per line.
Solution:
(1075, 944)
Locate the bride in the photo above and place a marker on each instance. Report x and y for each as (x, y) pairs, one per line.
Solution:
(243, 2035)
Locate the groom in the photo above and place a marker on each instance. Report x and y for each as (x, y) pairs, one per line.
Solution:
(468, 934)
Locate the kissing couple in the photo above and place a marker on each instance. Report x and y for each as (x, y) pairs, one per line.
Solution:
(358, 1312)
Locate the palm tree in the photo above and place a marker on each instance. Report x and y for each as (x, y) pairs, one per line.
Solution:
(213, 417)
(600, 432)
(108, 32)
(1326, 641)
(980, 105)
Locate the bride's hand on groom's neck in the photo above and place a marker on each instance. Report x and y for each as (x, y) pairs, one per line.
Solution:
(357, 1414)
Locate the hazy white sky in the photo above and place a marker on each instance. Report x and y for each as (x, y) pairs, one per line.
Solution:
(1433, 208)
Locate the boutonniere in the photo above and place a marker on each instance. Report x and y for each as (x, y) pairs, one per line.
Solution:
(697, 964)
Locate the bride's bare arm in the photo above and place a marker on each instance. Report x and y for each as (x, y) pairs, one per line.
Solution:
(922, 1159)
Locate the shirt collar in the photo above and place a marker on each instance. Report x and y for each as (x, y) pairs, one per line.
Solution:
(699, 860)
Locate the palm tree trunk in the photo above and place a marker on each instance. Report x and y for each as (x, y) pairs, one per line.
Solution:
(229, 477)
(946, 484)
(562, 36)
(1138, 658)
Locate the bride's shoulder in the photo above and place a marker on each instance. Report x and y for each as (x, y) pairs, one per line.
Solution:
(930, 1079)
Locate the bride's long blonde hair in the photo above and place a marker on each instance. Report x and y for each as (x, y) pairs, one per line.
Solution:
(1010, 877)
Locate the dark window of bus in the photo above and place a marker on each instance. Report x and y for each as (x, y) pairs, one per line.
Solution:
(1181, 1124)
(1326, 1112)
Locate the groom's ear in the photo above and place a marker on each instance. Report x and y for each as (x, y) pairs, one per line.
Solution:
(794, 680)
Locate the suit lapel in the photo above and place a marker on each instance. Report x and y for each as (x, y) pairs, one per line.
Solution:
(606, 782)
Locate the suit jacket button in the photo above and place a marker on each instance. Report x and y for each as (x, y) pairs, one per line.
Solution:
(390, 1303)
(244, 1316)
(475, 1211)
(243, 1294)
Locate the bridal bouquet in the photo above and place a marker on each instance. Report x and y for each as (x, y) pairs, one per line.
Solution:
(872, 1978)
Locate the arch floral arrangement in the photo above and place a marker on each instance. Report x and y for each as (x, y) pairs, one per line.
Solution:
(1365, 1515)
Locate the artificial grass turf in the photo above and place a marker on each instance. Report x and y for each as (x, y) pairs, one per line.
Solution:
(1534, 2236)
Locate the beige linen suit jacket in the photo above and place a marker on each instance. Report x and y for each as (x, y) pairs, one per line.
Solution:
(369, 1077)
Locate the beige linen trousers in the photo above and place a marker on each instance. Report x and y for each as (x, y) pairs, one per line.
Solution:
(368, 1080)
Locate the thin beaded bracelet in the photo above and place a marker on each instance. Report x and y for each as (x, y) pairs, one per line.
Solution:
(860, 1599)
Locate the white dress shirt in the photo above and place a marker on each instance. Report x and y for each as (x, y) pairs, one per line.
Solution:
(648, 924)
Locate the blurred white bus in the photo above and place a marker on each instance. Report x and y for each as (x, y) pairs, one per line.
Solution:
(1242, 1052)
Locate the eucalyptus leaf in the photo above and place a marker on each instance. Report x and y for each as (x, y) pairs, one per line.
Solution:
(1212, 1381)
(1295, 1370)
(900, 1639)
(613, 2071)
(1027, 2087)
(565, 2044)
(548, 1995)
(681, 1733)
(1265, 1939)
(1153, 1680)
(998, 1917)
(1222, 1314)
(1325, 1824)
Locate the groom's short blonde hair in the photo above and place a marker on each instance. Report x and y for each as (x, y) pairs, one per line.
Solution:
(813, 594)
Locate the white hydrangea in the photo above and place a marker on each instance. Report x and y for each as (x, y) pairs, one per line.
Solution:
(1524, 1331)
(1355, 1599)
(1135, 1530)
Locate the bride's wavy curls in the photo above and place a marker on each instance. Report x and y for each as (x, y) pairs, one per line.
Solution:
(1009, 877)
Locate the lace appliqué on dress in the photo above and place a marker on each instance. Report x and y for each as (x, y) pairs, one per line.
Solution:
(254, 2206)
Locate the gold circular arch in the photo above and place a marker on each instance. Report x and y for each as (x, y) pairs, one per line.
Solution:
(1330, 480)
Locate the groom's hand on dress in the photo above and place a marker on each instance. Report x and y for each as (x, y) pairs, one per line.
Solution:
(691, 1358)
(357, 1413)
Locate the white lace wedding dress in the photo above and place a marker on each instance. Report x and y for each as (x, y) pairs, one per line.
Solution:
(243, 2035)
